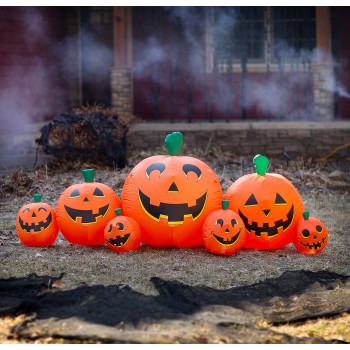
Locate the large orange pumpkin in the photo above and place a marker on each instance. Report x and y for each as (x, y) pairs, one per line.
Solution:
(170, 196)
(269, 206)
(122, 233)
(83, 210)
(223, 231)
(311, 235)
(36, 224)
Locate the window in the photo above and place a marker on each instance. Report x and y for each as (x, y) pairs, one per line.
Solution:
(258, 35)
(293, 28)
(238, 32)
(101, 14)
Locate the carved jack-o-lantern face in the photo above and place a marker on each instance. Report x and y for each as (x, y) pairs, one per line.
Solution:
(122, 233)
(223, 231)
(83, 210)
(269, 206)
(36, 223)
(170, 196)
(312, 235)
(177, 197)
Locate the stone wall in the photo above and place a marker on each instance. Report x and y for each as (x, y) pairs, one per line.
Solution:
(307, 139)
(314, 139)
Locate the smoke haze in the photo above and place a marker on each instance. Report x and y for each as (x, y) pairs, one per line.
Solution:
(31, 89)
(265, 94)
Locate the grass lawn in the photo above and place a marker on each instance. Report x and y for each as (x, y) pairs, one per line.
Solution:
(324, 187)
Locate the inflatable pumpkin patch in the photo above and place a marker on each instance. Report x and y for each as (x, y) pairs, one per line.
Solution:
(170, 196)
(83, 210)
(122, 233)
(223, 231)
(311, 235)
(36, 224)
(269, 206)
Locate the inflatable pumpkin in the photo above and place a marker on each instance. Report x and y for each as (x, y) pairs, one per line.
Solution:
(36, 224)
(223, 231)
(269, 206)
(83, 210)
(122, 233)
(312, 235)
(170, 196)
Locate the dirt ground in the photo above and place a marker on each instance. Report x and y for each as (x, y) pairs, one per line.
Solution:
(323, 185)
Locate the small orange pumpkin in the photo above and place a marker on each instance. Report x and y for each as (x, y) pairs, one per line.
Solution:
(122, 233)
(83, 210)
(36, 224)
(312, 235)
(170, 196)
(269, 206)
(223, 231)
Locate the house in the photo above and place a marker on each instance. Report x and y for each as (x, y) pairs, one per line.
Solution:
(258, 68)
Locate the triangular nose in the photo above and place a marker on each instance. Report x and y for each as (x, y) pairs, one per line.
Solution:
(266, 212)
(227, 231)
(86, 199)
(33, 215)
(173, 188)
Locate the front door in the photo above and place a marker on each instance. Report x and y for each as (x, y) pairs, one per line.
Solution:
(97, 54)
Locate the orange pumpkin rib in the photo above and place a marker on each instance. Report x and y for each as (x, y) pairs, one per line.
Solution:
(170, 196)
(223, 231)
(122, 233)
(36, 224)
(269, 206)
(83, 211)
(311, 235)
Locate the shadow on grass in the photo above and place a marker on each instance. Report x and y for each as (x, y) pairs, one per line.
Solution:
(295, 295)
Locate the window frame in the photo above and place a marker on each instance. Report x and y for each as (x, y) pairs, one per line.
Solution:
(269, 63)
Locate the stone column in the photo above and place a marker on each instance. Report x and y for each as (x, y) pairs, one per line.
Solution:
(323, 81)
(121, 73)
(122, 89)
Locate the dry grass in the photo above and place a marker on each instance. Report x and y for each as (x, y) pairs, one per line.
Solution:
(327, 328)
(324, 196)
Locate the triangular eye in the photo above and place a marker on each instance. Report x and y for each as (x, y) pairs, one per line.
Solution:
(98, 193)
(279, 199)
(251, 201)
(75, 193)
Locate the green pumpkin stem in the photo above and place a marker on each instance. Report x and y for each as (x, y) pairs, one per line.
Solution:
(306, 215)
(225, 203)
(37, 198)
(173, 143)
(89, 175)
(261, 164)
(118, 211)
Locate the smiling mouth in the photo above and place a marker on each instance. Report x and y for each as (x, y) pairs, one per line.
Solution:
(87, 217)
(269, 230)
(174, 213)
(118, 241)
(314, 245)
(224, 241)
(36, 227)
